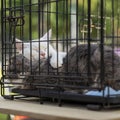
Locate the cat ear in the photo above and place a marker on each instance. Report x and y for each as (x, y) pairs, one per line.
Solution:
(18, 44)
(47, 35)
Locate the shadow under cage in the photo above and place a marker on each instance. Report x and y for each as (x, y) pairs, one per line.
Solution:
(66, 50)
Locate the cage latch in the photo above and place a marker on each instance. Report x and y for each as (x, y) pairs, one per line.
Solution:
(16, 21)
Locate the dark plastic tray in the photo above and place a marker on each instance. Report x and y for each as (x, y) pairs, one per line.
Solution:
(65, 95)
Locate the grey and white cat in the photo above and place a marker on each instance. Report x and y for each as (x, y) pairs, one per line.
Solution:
(38, 48)
(21, 63)
(76, 64)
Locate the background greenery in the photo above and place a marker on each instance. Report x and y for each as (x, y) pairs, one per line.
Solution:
(45, 11)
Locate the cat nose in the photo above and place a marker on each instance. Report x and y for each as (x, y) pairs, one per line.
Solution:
(42, 55)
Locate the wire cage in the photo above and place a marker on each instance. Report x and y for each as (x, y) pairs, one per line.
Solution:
(61, 49)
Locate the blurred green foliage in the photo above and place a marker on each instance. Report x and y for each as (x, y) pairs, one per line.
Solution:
(62, 20)
(4, 117)
(46, 14)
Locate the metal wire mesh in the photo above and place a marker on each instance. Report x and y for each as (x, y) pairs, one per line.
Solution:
(61, 49)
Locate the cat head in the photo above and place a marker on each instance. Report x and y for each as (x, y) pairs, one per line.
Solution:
(43, 39)
(23, 46)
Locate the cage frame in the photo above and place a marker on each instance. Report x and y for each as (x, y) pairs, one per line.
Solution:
(105, 101)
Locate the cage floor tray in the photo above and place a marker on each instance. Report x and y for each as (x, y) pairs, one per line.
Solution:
(51, 93)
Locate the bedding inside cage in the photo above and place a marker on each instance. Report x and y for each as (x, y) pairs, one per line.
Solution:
(108, 91)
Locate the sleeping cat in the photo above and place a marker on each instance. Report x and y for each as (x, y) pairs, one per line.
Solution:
(19, 64)
(39, 48)
(73, 74)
